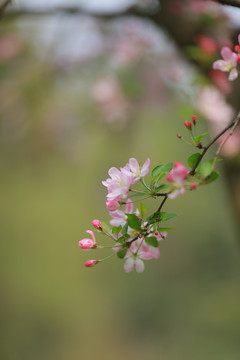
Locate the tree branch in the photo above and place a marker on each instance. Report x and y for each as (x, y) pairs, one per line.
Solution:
(235, 3)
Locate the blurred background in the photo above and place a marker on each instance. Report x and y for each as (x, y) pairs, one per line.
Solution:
(84, 86)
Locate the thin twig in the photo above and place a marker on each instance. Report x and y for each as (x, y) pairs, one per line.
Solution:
(235, 121)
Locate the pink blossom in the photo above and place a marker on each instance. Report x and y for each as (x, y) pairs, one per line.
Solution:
(88, 244)
(207, 44)
(119, 217)
(177, 177)
(97, 224)
(134, 169)
(134, 258)
(118, 185)
(112, 205)
(91, 263)
(229, 63)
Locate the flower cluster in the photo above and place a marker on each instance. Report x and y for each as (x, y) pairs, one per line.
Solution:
(230, 61)
(135, 236)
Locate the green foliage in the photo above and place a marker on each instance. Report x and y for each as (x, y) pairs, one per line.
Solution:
(122, 252)
(133, 222)
(116, 230)
(105, 227)
(214, 175)
(198, 138)
(161, 170)
(152, 241)
(192, 160)
(167, 216)
(142, 210)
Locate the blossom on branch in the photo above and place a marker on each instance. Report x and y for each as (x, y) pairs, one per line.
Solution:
(228, 64)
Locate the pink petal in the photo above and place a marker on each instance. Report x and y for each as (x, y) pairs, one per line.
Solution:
(145, 167)
(139, 265)
(92, 234)
(233, 74)
(134, 165)
(239, 39)
(129, 265)
(226, 53)
(129, 206)
(220, 65)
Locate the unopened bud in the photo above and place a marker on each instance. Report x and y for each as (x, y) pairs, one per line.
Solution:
(194, 119)
(91, 263)
(179, 136)
(237, 48)
(193, 186)
(187, 124)
(97, 224)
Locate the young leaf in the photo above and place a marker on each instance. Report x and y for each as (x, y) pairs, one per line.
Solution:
(205, 169)
(214, 175)
(161, 170)
(133, 222)
(152, 241)
(164, 216)
(161, 229)
(200, 137)
(193, 159)
(125, 229)
(116, 230)
(121, 253)
(142, 210)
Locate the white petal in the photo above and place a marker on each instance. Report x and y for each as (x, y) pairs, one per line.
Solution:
(134, 165)
(139, 265)
(145, 168)
(233, 74)
(129, 264)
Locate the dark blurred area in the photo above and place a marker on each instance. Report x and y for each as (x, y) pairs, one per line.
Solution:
(81, 93)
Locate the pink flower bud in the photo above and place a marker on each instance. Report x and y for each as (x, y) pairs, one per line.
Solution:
(238, 58)
(187, 124)
(86, 244)
(112, 205)
(194, 119)
(193, 186)
(91, 263)
(97, 224)
(179, 136)
(237, 48)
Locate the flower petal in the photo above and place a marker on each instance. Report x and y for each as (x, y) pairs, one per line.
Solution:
(220, 65)
(129, 264)
(139, 265)
(92, 234)
(145, 168)
(226, 53)
(134, 165)
(233, 74)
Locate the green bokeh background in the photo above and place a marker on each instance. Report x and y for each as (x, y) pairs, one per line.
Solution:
(185, 306)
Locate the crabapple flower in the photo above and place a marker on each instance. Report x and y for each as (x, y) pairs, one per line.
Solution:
(228, 64)
(119, 217)
(118, 185)
(134, 169)
(91, 263)
(177, 177)
(88, 244)
(135, 256)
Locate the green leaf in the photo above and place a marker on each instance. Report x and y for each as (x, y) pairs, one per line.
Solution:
(138, 194)
(214, 175)
(167, 216)
(152, 241)
(123, 238)
(121, 253)
(161, 187)
(116, 230)
(105, 227)
(200, 137)
(161, 170)
(161, 229)
(125, 229)
(154, 217)
(133, 222)
(193, 159)
(205, 168)
(142, 210)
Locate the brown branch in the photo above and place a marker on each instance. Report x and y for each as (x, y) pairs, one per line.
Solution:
(235, 121)
(235, 3)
